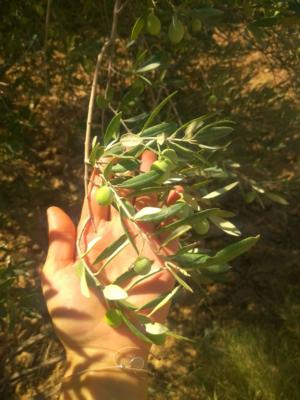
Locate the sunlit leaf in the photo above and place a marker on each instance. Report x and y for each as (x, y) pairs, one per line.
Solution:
(161, 301)
(221, 191)
(181, 281)
(278, 199)
(156, 328)
(226, 226)
(114, 292)
(81, 273)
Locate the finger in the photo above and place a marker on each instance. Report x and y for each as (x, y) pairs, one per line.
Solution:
(90, 206)
(62, 236)
(174, 195)
(147, 159)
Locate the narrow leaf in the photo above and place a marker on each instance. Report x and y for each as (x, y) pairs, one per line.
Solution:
(141, 180)
(156, 328)
(135, 330)
(178, 278)
(176, 234)
(127, 233)
(163, 301)
(156, 110)
(278, 199)
(81, 273)
(114, 292)
(137, 27)
(221, 191)
(111, 249)
(112, 130)
(226, 226)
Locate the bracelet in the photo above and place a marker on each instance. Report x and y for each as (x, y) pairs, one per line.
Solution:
(128, 359)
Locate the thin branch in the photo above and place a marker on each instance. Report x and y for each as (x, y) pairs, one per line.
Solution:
(46, 43)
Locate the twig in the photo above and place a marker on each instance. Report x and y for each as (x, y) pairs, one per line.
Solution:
(89, 122)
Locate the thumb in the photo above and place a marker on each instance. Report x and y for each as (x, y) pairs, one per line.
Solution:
(62, 236)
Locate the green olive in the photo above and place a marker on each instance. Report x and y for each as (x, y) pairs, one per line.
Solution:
(113, 317)
(196, 25)
(104, 196)
(212, 100)
(153, 24)
(170, 154)
(201, 226)
(161, 165)
(142, 265)
(176, 30)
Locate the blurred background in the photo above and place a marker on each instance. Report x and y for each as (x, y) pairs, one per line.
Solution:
(238, 59)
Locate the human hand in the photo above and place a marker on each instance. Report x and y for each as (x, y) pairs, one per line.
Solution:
(79, 321)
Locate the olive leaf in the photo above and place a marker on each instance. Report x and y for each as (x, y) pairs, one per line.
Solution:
(221, 191)
(162, 301)
(141, 180)
(181, 281)
(114, 292)
(226, 226)
(81, 273)
(156, 111)
(135, 330)
(154, 214)
(137, 28)
(112, 129)
(116, 246)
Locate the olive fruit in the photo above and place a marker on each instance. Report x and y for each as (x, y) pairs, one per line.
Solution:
(104, 195)
(196, 25)
(142, 265)
(170, 154)
(201, 226)
(113, 317)
(212, 100)
(164, 166)
(176, 30)
(161, 165)
(153, 24)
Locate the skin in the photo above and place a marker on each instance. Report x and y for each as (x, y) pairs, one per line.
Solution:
(91, 344)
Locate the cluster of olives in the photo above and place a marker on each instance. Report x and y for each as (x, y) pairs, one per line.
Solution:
(176, 28)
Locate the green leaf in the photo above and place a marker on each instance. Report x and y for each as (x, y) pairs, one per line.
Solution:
(114, 292)
(96, 153)
(115, 246)
(112, 130)
(141, 180)
(127, 233)
(131, 140)
(156, 328)
(130, 273)
(164, 127)
(216, 269)
(226, 226)
(125, 165)
(176, 234)
(148, 67)
(181, 281)
(221, 191)
(161, 301)
(137, 28)
(101, 101)
(156, 110)
(182, 151)
(154, 214)
(278, 199)
(206, 12)
(137, 118)
(180, 337)
(135, 330)
(81, 273)
(113, 317)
